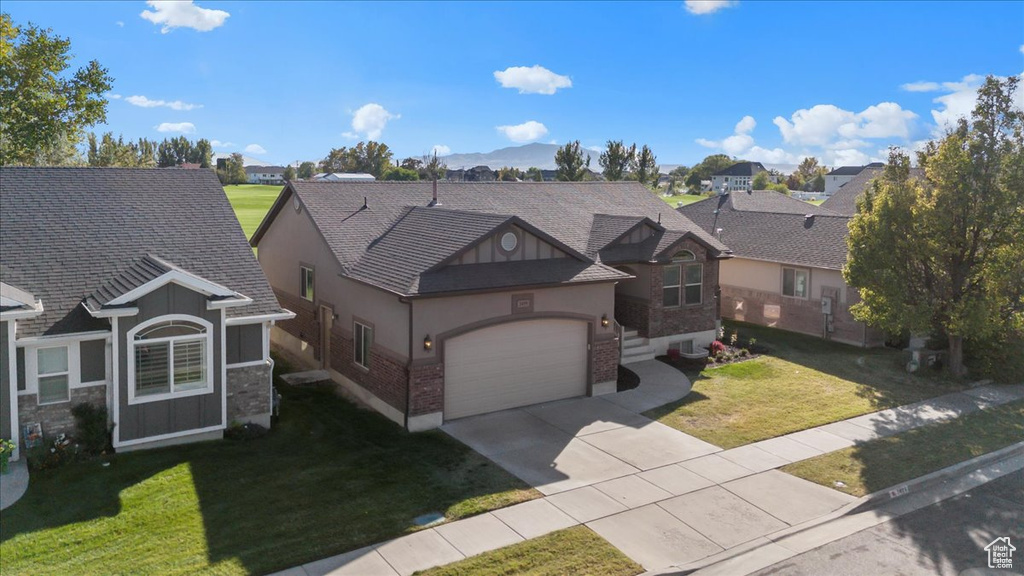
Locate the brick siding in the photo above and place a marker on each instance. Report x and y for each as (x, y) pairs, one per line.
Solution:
(56, 418)
(248, 392)
(633, 312)
(305, 326)
(605, 361)
(426, 384)
(685, 318)
(387, 378)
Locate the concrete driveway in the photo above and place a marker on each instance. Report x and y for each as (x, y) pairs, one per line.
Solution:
(559, 446)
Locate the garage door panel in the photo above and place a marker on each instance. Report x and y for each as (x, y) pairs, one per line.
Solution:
(513, 365)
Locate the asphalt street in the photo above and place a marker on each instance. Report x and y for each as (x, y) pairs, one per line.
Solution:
(947, 538)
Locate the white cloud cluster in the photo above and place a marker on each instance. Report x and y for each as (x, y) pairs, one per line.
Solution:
(826, 124)
(369, 121)
(526, 132)
(700, 7)
(219, 144)
(440, 150)
(255, 149)
(739, 142)
(177, 127)
(532, 80)
(171, 14)
(144, 102)
(958, 101)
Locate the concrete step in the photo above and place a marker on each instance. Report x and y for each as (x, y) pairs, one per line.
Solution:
(635, 343)
(631, 333)
(631, 358)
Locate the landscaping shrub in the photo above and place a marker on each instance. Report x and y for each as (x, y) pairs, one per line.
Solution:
(52, 453)
(6, 450)
(1000, 358)
(91, 428)
(716, 348)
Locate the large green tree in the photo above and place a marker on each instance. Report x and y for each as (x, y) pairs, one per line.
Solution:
(365, 157)
(645, 167)
(571, 164)
(943, 252)
(616, 160)
(306, 170)
(233, 171)
(44, 108)
(289, 173)
(708, 166)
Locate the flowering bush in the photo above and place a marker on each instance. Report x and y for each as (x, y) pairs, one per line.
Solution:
(716, 348)
(48, 455)
(6, 449)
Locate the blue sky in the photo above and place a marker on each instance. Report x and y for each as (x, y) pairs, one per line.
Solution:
(769, 81)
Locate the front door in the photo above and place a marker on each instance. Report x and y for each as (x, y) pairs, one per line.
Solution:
(326, 322)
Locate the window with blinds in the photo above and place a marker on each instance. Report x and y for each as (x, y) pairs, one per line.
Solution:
(171, 357)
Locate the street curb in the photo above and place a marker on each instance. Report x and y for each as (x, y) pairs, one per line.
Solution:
(865, 504)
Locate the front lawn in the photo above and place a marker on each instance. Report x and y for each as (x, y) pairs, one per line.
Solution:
(568, 552)
(674, 201)
(886, 462)
(329, 478)
(800, 383)
(251, 203)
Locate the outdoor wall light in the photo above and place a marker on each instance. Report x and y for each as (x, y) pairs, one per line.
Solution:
(428, 344)
(604, 321)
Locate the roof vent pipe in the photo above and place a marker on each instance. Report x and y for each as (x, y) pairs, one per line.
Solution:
(364, 203)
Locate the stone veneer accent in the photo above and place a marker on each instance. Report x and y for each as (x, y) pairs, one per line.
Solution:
(426, 389)
(305, 326)
(56, 418)
(249, 392)
(605, 362)
(387, 378)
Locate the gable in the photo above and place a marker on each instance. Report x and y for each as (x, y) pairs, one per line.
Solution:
(528, 246)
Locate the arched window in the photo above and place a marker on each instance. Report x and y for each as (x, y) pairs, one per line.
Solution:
(684, 256)
(172, 356)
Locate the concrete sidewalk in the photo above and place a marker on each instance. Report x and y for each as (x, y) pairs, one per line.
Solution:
(707, 506)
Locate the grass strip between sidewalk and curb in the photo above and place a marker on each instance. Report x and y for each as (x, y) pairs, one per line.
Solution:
(577, 550)
(886, 462)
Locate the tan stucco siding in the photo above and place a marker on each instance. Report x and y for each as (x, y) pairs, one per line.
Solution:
(436, 316)
(767, 277)
(639, 287)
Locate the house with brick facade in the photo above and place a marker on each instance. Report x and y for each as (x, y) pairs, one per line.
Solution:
(132, 289)
(786, 270)
(435, 301)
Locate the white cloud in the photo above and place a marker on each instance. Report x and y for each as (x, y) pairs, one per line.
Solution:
(180, 127)
(960, 100)
(1022, 48)
(885, 120)
(143, 102)
(920, 86)
(113, 96)
(185, 14)
(370, 121)
(525, 132)
(255, 149)
(846, 157)
(822, 124)
(746, 125)
(773, 156)
(739, 142)
(219, 144)
(533, 80)
(440, 150)
(120, 24)
(708, 6)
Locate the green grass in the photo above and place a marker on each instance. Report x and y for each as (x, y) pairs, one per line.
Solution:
(815, 202)
(674, 201)
(251, 202)
(803, 382)
(568, 552)
(886, 462)
(329, 478)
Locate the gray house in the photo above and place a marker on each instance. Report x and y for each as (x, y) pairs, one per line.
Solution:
(134, 289)
(435, 304)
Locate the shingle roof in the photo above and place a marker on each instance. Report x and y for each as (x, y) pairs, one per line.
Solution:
(791, 238)
(264, 169)
(384, 242)
(13, 297)
(142, 271)
(514, 274)
(741, 169)
(846, 171)
(69, 231)
(772, 201)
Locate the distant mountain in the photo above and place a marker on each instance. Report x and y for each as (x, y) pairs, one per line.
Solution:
(539, 155)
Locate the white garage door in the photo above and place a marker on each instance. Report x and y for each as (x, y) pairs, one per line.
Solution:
(513, 365)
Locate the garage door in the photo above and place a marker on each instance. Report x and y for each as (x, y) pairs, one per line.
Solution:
(514, 364)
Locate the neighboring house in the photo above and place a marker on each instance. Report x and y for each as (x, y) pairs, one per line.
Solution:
(437, 303)
(132, 289)
(736, 177)
(786, 269)
(270, 175)
(844, 201)
(840, 176)
(343, 177)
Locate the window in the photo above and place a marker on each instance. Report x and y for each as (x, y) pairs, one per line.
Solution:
(363, 340)
(171, 358)
(794, 283)
(684, 347)
(306, 287)
(682, 283)
(53, 375)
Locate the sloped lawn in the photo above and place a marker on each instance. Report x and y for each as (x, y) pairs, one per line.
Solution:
(801, 382)
(329, 478)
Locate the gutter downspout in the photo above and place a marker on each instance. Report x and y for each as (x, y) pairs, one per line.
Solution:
(408, 365)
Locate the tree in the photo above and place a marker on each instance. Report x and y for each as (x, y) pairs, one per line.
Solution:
(616, 160)
(645, 167)
(432, 168)
(365, 157)
(708, 166)
(818, 183)
(412, 164)
(534, 174)
(794, 182)
(510, 174)
(233, 171)
(289, 173)
(944, 252)
(306, 170)
(808, 170)
(401, 174)
(761, 181)
(570, 162)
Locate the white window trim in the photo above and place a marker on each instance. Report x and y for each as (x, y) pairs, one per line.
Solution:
(303, 283)
(32, 367)
(355, 349)
(682, 278)
(66, 373)
(130, 351)
(782, 287)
